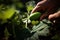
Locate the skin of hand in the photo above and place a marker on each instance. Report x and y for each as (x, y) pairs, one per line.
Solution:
(49, 6)
(55, 18)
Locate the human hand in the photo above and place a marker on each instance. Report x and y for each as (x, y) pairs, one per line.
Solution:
(45, 5)
(55, 18)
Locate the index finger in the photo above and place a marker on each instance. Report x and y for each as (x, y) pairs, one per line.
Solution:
(37, 8)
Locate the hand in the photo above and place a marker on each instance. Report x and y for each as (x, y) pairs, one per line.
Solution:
(46, 5)
(55, 18)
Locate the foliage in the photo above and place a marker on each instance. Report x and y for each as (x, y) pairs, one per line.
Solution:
(15, 24)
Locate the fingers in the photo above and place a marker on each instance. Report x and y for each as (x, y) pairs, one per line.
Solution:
(38, 6)
(49, 11)
(54, 16)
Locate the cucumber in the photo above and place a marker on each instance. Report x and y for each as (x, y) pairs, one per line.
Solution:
(35, 16)
(34, 22)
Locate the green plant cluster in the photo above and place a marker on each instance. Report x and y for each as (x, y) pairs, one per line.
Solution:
(17, 24)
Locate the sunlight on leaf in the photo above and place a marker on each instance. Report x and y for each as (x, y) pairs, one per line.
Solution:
(8, 13)
(30, 5)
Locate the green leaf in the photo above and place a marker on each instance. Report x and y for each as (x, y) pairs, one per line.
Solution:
(19, 5)
(8, 13)
(42, 28)
(29, 8)
(6, 34)
(30, 5)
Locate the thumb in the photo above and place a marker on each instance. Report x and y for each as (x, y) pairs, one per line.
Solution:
(54, 16)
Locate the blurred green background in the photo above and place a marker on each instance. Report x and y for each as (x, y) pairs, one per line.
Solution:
(12, 13)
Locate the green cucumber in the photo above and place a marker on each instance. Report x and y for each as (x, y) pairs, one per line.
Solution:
(35, 16)
(33, 22)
